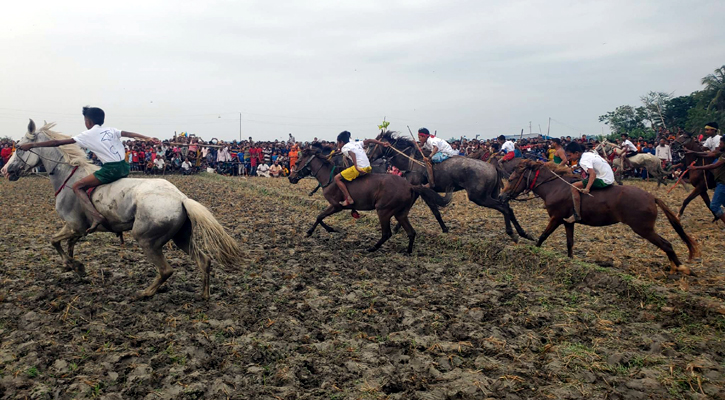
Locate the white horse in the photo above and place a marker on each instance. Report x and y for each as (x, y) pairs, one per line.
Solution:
(154, 210)
(641, 160)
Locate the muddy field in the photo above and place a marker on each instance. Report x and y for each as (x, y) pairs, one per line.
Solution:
(469, 315)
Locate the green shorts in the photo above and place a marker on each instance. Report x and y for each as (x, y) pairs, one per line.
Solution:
(112, 171)
(598, 184)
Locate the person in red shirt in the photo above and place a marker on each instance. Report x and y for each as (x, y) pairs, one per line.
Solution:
(6, 152)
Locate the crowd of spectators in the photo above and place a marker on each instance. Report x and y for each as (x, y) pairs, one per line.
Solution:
(188, 154)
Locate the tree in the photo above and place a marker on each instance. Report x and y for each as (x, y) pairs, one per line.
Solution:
(715, 88)
(677, 110)
(655, 107)
(624, 119)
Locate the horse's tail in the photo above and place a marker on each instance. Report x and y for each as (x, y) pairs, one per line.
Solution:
(689, 241)
(432, 198)
(208, 237)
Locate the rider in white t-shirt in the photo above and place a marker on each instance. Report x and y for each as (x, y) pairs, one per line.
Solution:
(599, 175)
(106, 144)
(355, 151)
(440, 151)
(629, 150)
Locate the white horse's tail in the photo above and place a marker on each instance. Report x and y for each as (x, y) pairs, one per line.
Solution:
(208, 237)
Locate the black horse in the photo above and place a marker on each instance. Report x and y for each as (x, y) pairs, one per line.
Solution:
(481, 180)
(389, 195)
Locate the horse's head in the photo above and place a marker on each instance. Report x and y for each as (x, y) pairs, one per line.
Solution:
(376, 151)
(682, 142)
(302, 166)
(23, 161)
(520, 179)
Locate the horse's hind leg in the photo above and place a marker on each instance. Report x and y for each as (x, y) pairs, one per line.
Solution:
(384, 217)
(664, 245)
(156, 256)
(405, 223)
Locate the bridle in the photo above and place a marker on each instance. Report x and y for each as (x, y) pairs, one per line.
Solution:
(386, 153)
(531, 184)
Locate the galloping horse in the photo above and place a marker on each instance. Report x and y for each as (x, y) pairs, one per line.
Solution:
(154, 210)
(701, 180)
(478, 178)
(390, 195)
(650, 162)
(629, 205)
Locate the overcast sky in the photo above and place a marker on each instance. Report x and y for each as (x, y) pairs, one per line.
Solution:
(314, 68)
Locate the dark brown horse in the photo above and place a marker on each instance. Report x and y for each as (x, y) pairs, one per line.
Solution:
(390, 195)
(480, 180)
(629, 205)
(701, 180)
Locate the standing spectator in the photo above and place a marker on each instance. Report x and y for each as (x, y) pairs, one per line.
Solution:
(291, 140)
(663, 152)
(293, 155)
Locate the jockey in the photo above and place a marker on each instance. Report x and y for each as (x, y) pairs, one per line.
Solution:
(712, 131)
(106, 144)
(629, 150)
(440, 151)
(355, 151)
(599, 176)
(506, 145)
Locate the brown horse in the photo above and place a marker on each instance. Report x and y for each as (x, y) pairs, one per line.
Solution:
(629, 205)
(701, 180)
(390, 195)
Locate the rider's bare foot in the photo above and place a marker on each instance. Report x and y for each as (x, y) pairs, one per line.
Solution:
(574, 218)
(347, 202)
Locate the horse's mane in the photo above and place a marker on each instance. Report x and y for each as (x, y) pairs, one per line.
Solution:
(559, 169)
(317, 151)
(72, 153)
(399, 141)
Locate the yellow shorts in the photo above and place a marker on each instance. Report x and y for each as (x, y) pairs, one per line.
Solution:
(352, 172)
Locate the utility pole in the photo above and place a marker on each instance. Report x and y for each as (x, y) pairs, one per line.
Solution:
(548, 129)
(240, 127)
(529, 126)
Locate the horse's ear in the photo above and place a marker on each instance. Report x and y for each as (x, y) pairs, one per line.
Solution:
(31, 127)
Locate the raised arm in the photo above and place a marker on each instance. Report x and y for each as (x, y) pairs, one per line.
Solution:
(375, 141)
(703, 154)
(49, 143)
(139, 136)
(711, 166)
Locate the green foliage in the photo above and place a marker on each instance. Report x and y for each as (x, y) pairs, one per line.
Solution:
(689, 112)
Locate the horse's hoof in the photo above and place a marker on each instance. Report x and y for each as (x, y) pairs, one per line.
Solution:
(140, 296)
(79, 268)
(372, 249)
(308, 234)
(445, 230)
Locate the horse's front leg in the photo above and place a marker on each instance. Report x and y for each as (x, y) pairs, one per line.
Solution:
(331, 209)
(72, 236)
(516, 224)
(569, 239)
(554, 223)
